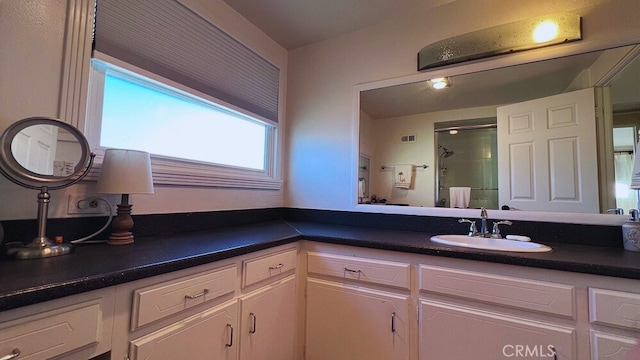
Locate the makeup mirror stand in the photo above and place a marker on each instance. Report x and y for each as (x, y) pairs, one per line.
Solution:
(42, 246)
(41, 153)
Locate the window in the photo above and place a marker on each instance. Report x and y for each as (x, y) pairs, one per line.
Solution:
(193, 138)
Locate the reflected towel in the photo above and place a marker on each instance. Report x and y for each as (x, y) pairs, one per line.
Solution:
(635, 175)
(459, 197)
(403, 176)
(362, 186)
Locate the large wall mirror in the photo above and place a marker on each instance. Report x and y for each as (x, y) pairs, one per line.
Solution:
(547, 136)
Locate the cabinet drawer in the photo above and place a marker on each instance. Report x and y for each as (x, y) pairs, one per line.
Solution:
(262, 268)
(544, 297)
(53, 333)
(616, 308)
(161, 300)
(368, 270)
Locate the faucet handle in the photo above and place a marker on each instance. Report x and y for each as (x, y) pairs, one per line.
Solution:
(472, 226)
(496, 229)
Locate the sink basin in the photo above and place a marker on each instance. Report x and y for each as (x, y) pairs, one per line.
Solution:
(490, 244)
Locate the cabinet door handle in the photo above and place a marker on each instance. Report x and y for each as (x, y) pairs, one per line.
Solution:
(393, 322)
(279, 266)
(191, 297)
(252, 316)
(14, 354)
(230, 343)
(351, 270)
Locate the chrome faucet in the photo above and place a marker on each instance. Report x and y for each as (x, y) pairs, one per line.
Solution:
(496, 230)
(484, 231)
(472, 226)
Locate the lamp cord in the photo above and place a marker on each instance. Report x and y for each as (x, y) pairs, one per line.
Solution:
(84, 239)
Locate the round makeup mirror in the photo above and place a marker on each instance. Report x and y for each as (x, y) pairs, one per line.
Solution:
(43, 154)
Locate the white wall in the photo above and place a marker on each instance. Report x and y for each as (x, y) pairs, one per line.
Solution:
(322, 76)
(31, 55)
(391, 151)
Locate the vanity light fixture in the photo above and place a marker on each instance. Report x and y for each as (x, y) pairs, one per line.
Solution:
(124, 172)
(521, 35)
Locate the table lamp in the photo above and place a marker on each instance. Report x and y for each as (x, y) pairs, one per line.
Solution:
(124, 172)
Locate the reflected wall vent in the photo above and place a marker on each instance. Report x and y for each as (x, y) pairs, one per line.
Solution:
(407, 138)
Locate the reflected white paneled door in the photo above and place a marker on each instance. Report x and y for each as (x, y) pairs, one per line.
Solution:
(35, 148)
(547, 153)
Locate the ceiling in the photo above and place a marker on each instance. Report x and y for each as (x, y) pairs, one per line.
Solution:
(493, 87)
(500, 86)
(296, 23)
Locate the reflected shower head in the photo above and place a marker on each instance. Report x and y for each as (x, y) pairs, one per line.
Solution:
(446, 152)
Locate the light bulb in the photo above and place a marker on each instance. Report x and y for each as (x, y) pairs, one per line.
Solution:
(546, 31)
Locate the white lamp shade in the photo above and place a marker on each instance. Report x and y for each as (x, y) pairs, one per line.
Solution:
(125, 172)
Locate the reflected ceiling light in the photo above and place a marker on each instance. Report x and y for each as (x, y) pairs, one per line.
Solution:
(502, 39)
(453, 132)
(439, 83)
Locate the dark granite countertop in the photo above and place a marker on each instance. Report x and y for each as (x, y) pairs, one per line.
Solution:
(589, 259)
(95, 266)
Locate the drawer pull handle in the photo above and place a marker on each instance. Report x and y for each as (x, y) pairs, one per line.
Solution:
(393, 322)
(279, 266)
(253, 323)
(230, 343)
(191, 297)
(14, 354)
(353, 271)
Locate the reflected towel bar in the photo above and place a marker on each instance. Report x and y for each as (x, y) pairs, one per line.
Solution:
(496, 189)
(387, 167)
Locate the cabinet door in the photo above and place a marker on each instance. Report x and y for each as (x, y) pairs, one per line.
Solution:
(268, 322)
(613, 347)
(211, 334)
(449, 331)
(345, 322)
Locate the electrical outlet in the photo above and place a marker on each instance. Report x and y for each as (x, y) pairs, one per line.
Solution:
(83, 204)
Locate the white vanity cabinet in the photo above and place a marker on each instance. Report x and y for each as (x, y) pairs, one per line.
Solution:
(238, 308)
(209, 330)
(269, 311)
(463, 315)
(268, 322)
(73, 327)
(357, 308)
(615, 318)
(207, 335)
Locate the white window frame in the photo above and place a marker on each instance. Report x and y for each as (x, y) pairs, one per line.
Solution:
(174, 171)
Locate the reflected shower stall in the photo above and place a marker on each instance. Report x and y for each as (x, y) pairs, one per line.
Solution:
(467, 158)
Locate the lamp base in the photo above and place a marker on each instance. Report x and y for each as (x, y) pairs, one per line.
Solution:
(121, 238)
(121, 226)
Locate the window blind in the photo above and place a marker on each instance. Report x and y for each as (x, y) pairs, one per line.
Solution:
(168, 39)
